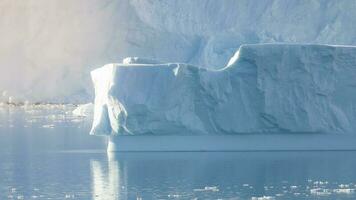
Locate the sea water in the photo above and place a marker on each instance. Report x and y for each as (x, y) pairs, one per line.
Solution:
(46, 153)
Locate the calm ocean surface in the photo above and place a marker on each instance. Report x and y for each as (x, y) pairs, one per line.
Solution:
(46, 153)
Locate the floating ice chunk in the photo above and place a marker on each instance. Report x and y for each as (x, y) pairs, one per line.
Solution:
(48, 126)
(344, 186)
(84, 110)
(263, 198)
(344, 191)
(321, 182)
(320, 192)
(211, 188)
(174, 196)
(208, 188)
(20, 197)
(69, 196)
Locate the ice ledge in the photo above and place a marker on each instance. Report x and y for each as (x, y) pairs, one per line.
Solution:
(276, 88)
(138, 60)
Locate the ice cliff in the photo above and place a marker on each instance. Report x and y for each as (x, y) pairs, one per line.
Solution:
(263, 89)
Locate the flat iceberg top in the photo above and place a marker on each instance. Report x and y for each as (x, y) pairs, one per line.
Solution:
(270, 88)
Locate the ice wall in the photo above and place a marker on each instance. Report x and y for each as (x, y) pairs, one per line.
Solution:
(264, 88)
(48, 48)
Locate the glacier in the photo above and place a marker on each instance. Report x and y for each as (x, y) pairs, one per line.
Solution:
(49, 42)
(264, 88)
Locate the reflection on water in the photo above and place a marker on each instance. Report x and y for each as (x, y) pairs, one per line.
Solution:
(44, 155)
(244, 175)
(239, 175)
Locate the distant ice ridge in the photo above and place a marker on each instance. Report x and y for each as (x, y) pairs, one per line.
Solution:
(268, 88)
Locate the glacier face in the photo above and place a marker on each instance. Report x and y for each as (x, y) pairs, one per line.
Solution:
(264, 88)
(59, 41)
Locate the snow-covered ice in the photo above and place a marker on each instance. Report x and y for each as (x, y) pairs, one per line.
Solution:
(270, 88)
(138, 60)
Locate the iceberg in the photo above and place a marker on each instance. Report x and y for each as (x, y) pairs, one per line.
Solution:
(264, 89)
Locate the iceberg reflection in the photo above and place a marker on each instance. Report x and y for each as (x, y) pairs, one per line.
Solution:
(243, 175)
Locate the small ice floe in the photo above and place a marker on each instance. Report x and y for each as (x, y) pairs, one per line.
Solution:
(320, 192)
(13, 190)
(20, 197)
(174, 196)
(344, 191)
(48, 126)
(245, 185)
(320, 182)
(84, 110)
(69, 196)
(207, 188)
(293, 187)
(263, 198)
(344, 186)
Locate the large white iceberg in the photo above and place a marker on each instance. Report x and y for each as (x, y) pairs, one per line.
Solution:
(270, 88)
